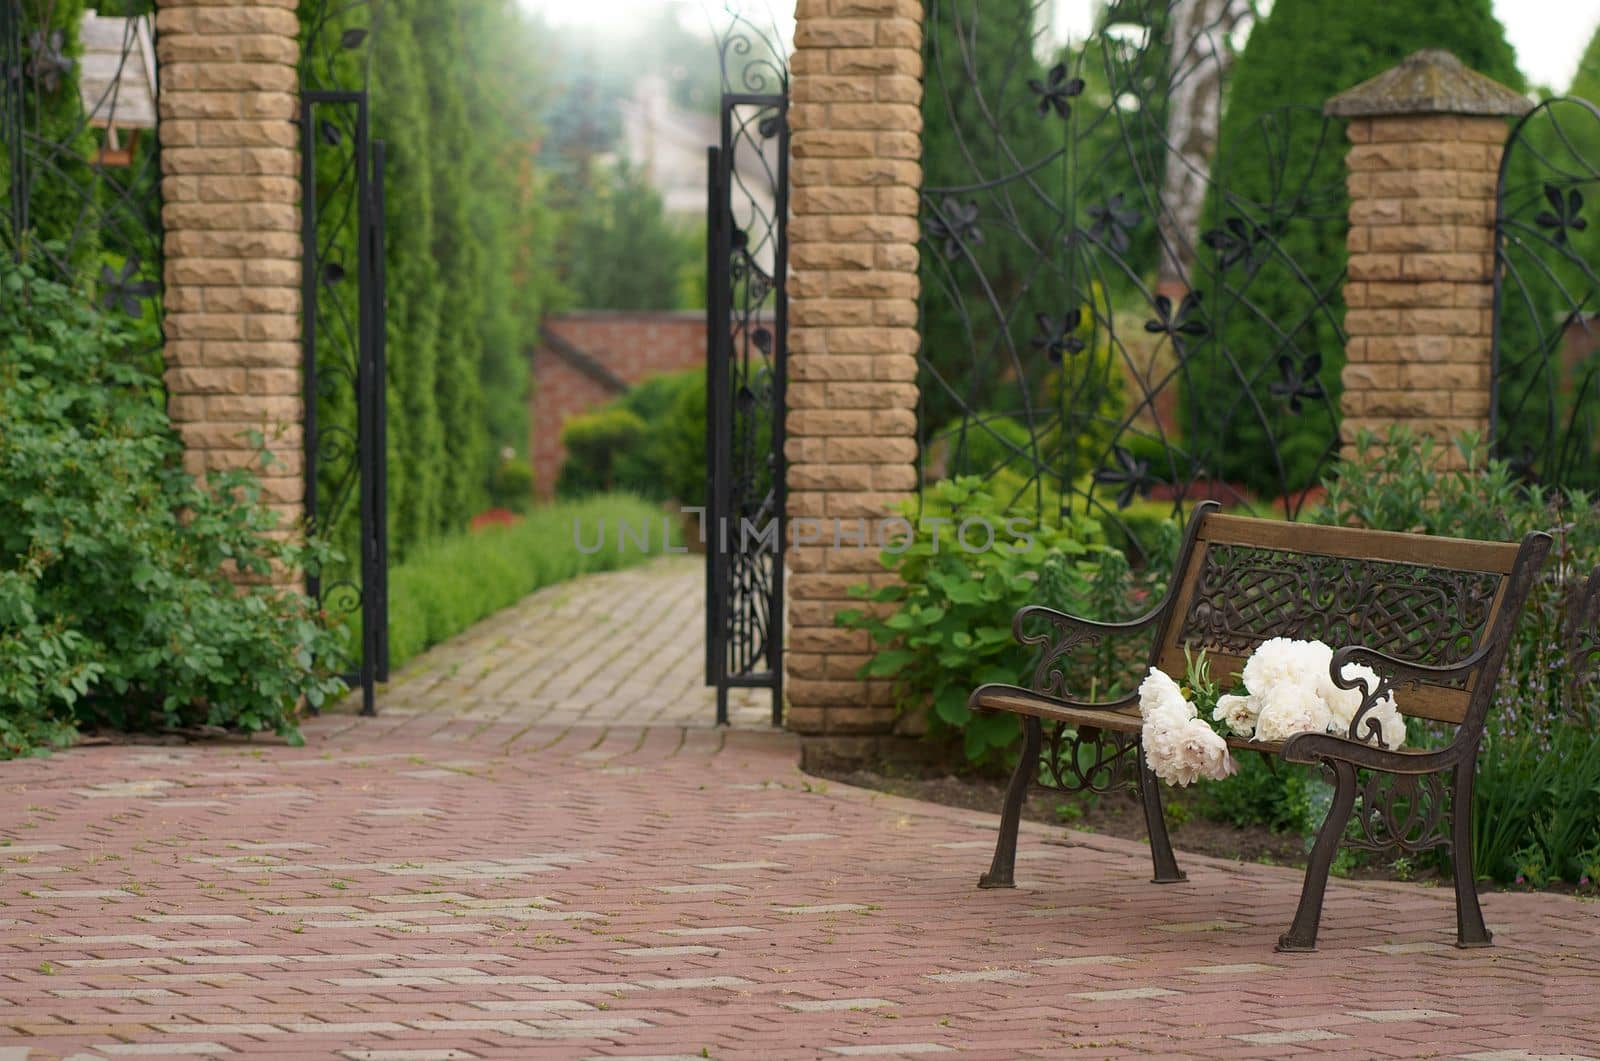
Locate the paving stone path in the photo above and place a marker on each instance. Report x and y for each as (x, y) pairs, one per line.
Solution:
(623, 646)
(430, 886)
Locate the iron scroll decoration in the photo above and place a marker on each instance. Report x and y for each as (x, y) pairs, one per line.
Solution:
(343, 330)
(1052, 366)
(746, 365)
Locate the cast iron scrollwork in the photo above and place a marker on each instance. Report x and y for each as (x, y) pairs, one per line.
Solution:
(1245, 595)
(1089, 759)
(1405, 812)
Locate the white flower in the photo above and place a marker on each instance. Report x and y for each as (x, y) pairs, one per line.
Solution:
(1283, 661)
(1181, 750)
(1292, 709)
(1239, 713)
(1158, 690)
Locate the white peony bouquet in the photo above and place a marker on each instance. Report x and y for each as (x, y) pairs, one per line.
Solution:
(1287, 689)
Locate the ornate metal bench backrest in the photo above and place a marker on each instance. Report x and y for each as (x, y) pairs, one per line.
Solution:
(1430, 601)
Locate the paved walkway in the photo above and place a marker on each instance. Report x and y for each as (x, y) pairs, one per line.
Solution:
(623, 646)
(423, 886)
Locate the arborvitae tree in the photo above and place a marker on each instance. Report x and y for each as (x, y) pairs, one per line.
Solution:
(415, 289)
(503, 101)
(1300, 55)
(453, 153)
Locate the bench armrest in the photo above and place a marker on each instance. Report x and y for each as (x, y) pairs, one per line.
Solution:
(1317, 747)
(1393, 673)
(1065, 633)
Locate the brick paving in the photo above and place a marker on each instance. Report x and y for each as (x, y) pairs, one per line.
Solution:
(623, 646)
(434, 886)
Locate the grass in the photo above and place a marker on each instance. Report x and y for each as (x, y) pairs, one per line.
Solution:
(448, 585)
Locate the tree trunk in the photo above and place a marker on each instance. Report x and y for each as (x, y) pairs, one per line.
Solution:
(1199, 57)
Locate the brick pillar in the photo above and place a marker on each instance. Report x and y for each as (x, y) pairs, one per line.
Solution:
(1426, 143)
(853, 335)
(231, 196)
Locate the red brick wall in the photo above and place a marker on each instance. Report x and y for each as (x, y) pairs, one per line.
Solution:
(630, 344)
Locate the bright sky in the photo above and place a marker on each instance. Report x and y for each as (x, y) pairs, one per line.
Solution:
(1549, 35)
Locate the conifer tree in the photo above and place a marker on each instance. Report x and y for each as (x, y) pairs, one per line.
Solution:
(416, 434)
(1300, 55)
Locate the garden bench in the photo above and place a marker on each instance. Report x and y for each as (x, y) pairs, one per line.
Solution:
(1432, 616)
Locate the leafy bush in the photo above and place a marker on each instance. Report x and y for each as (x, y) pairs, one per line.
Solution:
(650, 441)
(116, 602)
(947, 625)
(1275, 794)
(446, 586)
(597, 443)
(1535, 807)
(511, 485)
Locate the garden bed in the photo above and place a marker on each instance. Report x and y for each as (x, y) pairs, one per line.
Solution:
(1120, 814)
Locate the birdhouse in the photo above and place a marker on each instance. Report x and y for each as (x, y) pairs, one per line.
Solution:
(117, 81)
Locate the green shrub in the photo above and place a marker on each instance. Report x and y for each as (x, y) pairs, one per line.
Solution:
(650, 441)
(947, 628)
(446, 586)
(511, 486)
(1275, 794)
(1539, 766)
(116, 607)
(597, 443)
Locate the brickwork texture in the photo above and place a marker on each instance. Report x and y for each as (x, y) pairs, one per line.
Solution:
(628, 345)
(1419, 293)
(852, 395)
(231, 189)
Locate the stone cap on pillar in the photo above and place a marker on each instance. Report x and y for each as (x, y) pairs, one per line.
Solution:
(1431, 81)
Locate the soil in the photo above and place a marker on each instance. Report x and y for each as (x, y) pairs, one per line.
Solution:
(1118, 814)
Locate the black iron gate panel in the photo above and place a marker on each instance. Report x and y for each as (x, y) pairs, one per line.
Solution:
(343, 344)
(746, 355)
(1545, 414)
(81, 180)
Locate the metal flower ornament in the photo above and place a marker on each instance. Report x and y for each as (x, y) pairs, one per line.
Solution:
(1130, 473)
(1111, 224)
(1298, 380)
(1057, 91)
(956, 227)
(1057, 336)
(1564, 214)
(120, 290)
(50, 62)
(1185, 322)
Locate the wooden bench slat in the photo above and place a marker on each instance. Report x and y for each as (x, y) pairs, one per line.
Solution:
(1119, 721)
(1457, 554)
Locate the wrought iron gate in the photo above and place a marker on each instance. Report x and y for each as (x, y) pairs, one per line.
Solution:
(746, 354)
(1545, 413)
(343, 335)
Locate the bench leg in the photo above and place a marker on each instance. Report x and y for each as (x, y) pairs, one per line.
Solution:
(1002, 870)
(1470, 929)
(1302, 935)
(1155, 822)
